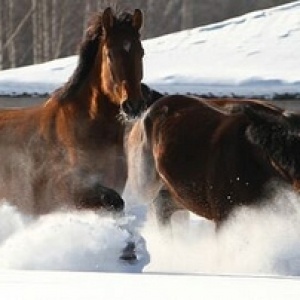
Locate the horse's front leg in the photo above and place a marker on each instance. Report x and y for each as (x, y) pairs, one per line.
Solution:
(96, 197)
(86, 191)
(165, 207)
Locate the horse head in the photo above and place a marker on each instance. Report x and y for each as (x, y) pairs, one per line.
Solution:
(277, 133)
(122, 65)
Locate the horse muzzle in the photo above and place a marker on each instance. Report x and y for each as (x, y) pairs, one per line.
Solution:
(133, 109)
(113, 202)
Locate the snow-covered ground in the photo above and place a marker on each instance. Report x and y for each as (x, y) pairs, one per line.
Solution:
(54, 285)
(256, 256)
(256, 54)
(253, 55)
(254, 242)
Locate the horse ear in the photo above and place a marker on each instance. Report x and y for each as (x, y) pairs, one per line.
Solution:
(107, 19)
(137, 20)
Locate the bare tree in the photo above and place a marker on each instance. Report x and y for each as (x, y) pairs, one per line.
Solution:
(54, 26)
(2, 9)
(87, 13)
(187, 14)
(11, 46)
(46, 29)
(35, 32)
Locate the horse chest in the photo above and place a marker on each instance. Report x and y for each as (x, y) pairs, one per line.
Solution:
(108, 162)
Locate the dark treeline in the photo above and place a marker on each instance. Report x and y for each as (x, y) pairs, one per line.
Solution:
(33, 31)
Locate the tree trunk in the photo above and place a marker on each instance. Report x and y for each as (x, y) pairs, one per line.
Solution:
(60, 32)
(187, 14)
(54, 28)
(1, 34)
(11, 46)
(87, 15)
(45, 31)
(35, 30)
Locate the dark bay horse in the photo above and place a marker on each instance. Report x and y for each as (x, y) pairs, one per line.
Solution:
(211, 156)
(68, 152)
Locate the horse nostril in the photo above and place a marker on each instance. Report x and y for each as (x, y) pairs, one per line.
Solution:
(126, 107)
(132, 109)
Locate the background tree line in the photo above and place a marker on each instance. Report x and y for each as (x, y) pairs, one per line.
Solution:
(34, 31)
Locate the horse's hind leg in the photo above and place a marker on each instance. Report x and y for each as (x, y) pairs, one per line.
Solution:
(165, 207)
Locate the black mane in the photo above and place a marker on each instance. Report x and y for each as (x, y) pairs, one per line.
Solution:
(274, 136)
(88, 52)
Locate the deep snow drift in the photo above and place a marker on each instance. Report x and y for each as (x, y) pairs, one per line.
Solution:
(255, 241)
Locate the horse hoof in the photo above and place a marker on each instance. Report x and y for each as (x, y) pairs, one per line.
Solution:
(128, 253)
(112, 201)
(99, 197)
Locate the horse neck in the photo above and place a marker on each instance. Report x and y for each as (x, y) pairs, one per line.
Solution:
(90, 100)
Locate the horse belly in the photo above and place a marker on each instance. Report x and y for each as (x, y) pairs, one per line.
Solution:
(187, 183)
(193, 197)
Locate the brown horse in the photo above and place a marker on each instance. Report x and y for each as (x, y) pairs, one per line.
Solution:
(68, 152)
(211, 156)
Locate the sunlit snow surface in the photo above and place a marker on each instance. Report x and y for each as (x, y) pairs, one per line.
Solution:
(261, 241)
(75, 241)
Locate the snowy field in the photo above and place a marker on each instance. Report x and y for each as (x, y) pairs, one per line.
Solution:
(257, 253)
(254, 242)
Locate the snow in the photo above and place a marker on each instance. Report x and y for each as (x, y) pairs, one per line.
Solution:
(73, 241)
(258, 251)
(73, 286)
(256, 255)
(262, 241)
(256, 54)
(253, 55)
